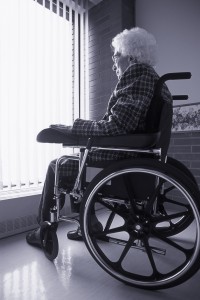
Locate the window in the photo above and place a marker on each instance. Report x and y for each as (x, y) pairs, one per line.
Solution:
(60, 9)
(37, 88)
(47, 4)
(54, 7)
(67, 12)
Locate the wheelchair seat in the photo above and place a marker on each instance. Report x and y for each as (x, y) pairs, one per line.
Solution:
(149, 208)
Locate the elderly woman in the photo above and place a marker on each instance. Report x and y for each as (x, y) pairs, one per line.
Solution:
(134, 55)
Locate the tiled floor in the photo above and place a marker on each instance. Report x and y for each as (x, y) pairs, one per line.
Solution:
(25, 274)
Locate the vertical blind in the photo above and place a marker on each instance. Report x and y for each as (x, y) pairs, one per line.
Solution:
(42, 82)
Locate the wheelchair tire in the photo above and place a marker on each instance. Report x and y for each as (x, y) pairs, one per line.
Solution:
(49, 240)
(132, 247)
(182, 224)
(179, 165)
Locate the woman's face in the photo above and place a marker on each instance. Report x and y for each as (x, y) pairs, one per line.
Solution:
(121, 63)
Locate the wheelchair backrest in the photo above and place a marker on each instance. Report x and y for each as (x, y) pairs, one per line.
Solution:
(165, 126)
(160, 113)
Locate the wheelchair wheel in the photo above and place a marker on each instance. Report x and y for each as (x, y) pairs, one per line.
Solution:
(49, 240)
(133, 247)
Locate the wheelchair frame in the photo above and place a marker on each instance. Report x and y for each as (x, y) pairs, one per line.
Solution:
(174, 200)
(76, 192)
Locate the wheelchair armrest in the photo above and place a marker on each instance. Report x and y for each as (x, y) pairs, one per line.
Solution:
(136, 140)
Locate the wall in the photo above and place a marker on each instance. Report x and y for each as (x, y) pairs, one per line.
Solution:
(105, 20)
(175, 24)
(185, 147)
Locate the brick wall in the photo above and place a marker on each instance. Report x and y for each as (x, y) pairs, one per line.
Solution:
(106, 19)
(185, 147)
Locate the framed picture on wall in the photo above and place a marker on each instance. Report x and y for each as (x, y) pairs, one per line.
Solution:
(186, 117)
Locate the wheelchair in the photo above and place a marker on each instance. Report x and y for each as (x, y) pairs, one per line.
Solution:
(149, 205)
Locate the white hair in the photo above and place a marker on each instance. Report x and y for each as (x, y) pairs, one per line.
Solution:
(138, 44)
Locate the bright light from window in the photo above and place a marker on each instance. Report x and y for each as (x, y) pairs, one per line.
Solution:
(35, 87)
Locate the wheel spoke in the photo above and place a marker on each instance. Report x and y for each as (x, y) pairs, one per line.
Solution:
(169, 189)
(150, 256)
(167, 200)
(109, 221)
(125, 251)
(109, 231)
(159, 219)
(113, 209)
(172, 243)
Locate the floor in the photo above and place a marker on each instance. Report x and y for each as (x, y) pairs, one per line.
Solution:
(26, 274)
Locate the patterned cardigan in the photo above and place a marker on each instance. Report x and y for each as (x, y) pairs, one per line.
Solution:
(126, 113)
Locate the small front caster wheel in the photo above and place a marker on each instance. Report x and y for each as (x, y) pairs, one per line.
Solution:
(49, 240)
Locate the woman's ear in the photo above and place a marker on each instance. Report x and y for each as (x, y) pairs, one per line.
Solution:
(130, 58)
